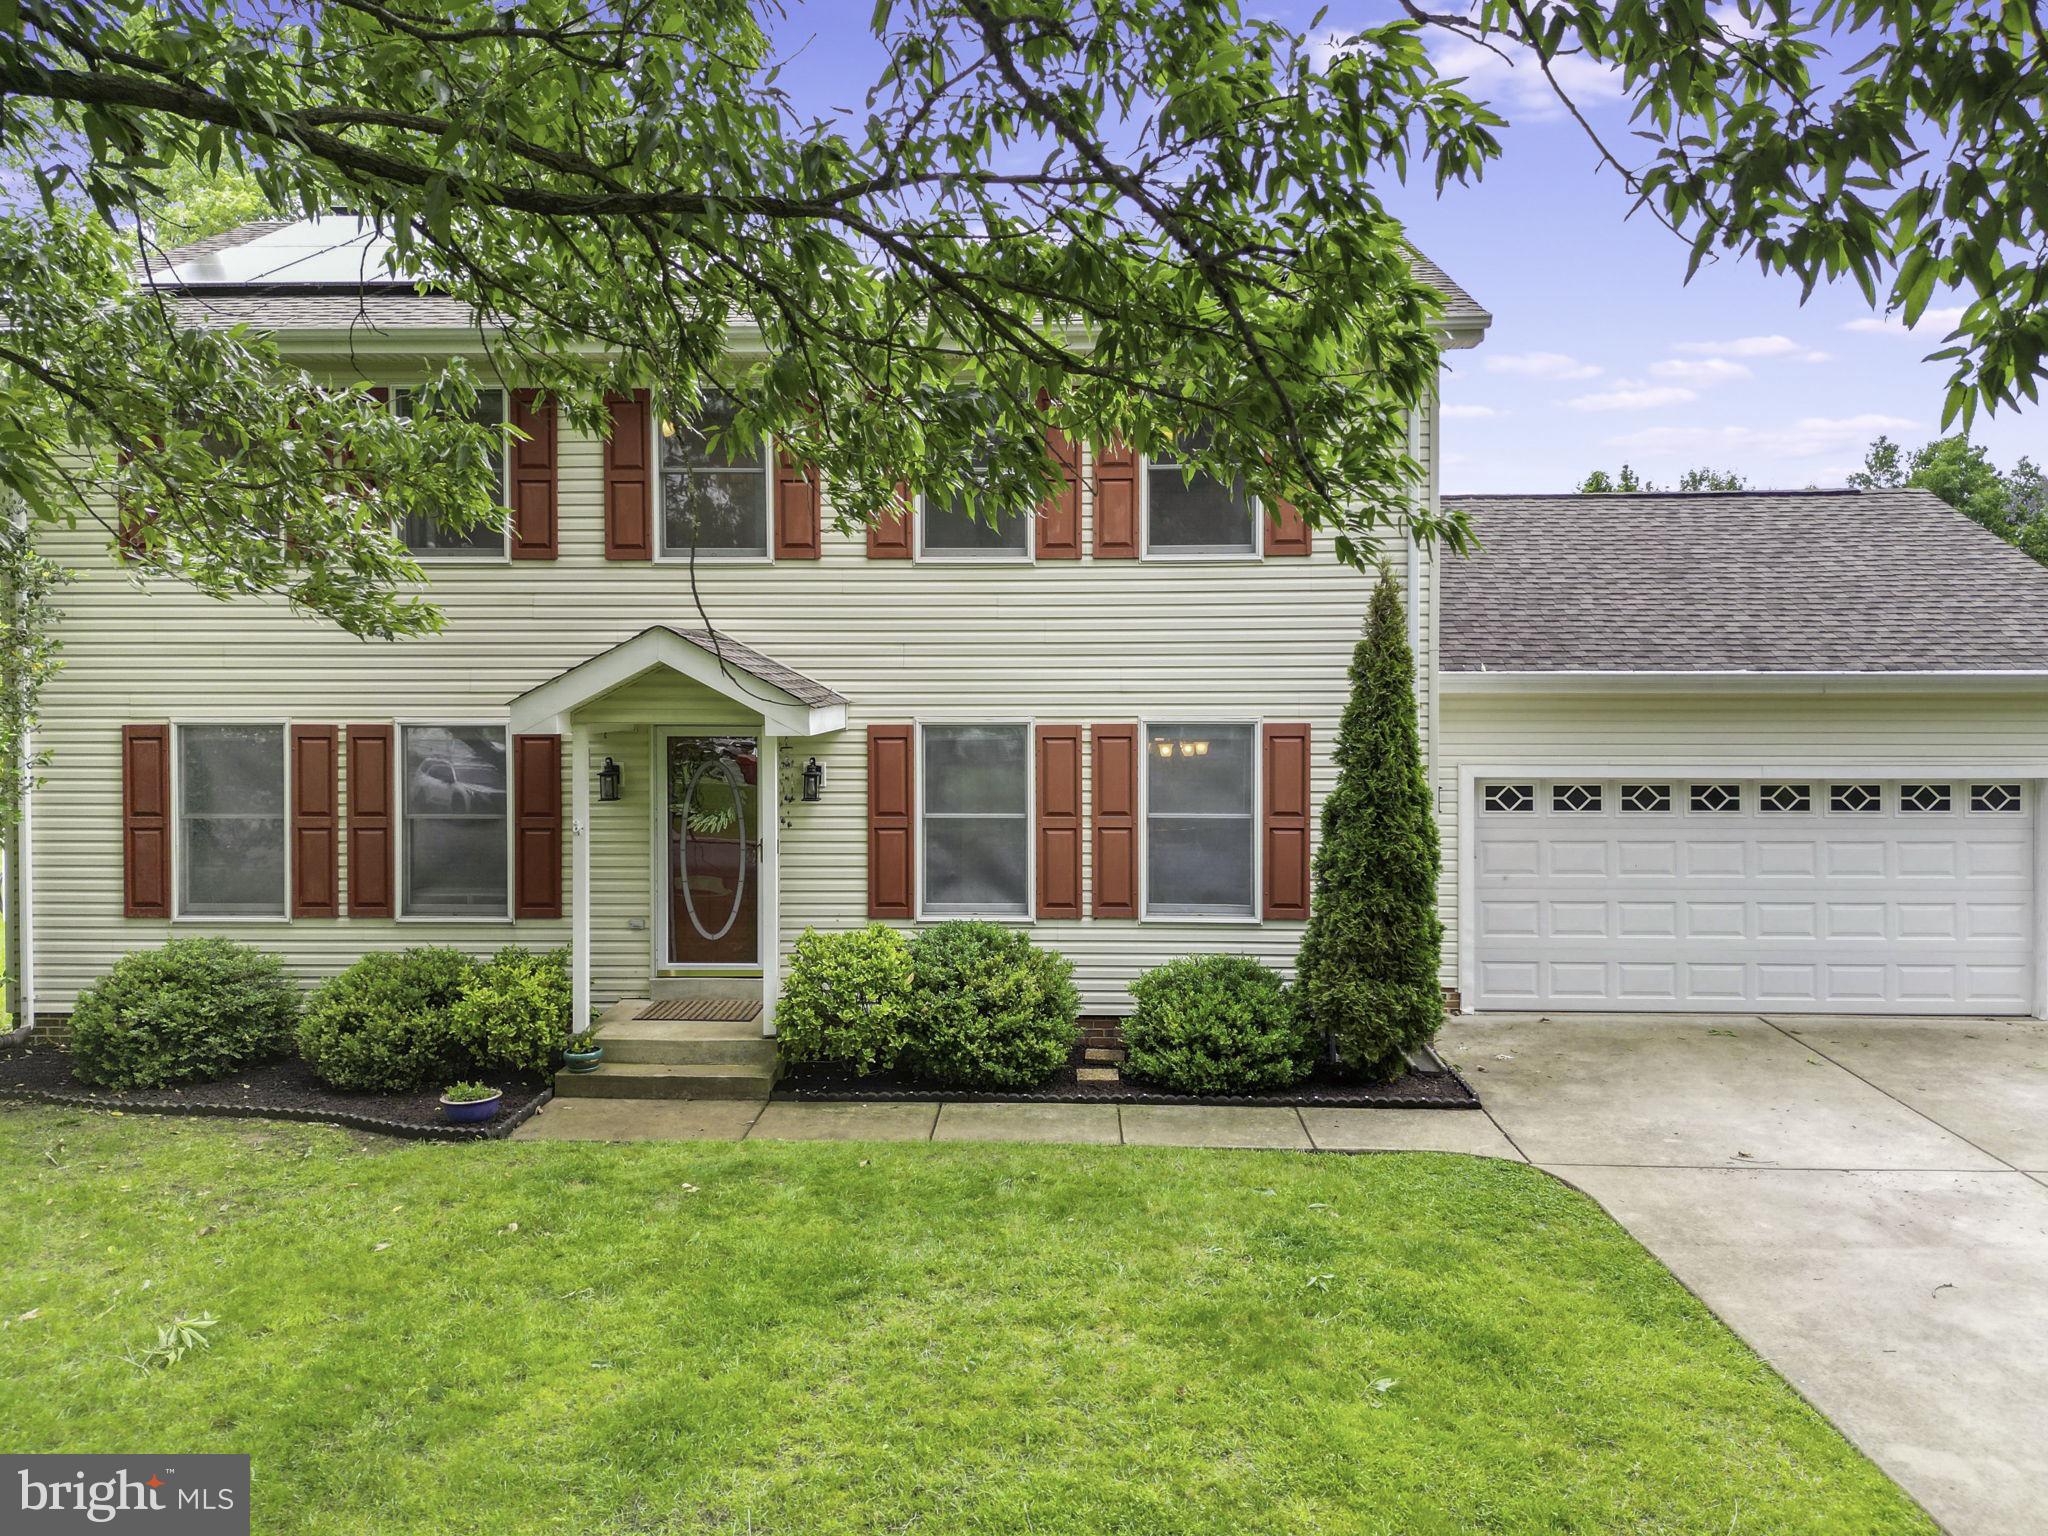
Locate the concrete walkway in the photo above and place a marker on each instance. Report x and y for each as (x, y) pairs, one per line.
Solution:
(1864, 1200)
(1135, 1125)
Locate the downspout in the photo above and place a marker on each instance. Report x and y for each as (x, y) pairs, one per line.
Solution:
(21, 864)
(1413, 588)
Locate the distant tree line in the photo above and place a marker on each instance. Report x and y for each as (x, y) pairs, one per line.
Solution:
(2012, 504)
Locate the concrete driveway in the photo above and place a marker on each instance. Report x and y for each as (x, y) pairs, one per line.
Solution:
(1864, 1200)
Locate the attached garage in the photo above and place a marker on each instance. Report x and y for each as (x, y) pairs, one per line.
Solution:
(1760, 752)
(1817, 894)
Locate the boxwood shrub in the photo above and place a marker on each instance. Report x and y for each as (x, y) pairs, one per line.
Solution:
(513, 1012)
(192, 1010)
(385, 1025)
(988, 1008)
(847, 999)
(1221, 1024)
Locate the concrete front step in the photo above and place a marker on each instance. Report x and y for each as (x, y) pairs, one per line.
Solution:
(657, 1080)
(711, 1043)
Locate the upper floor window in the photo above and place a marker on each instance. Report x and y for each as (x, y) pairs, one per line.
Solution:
(453, 779)
(1198, 516)
(950, 530)
(714, 491)
(1198, 820)
(977, 820)
(424, 534)
(231, 821)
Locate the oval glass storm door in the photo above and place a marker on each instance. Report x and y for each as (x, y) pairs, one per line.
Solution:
(714, 850)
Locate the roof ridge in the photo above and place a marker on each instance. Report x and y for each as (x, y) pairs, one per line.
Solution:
(158, 263)
(1597, 496)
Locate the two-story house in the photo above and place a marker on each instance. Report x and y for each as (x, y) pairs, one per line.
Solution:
(1689, 752)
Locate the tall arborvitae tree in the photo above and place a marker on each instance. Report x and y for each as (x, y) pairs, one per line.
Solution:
(1369, 958)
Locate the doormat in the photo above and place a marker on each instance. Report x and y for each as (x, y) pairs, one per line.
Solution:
(700, 1010)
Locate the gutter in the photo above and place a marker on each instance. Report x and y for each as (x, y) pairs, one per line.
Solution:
(1562, 681)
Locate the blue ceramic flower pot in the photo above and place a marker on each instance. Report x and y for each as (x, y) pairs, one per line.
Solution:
(584, 1060)
(471, 1112)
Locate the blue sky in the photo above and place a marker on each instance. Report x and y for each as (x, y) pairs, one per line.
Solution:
(1600, 351)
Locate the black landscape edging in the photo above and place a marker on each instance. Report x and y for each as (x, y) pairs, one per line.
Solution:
(152, 1102)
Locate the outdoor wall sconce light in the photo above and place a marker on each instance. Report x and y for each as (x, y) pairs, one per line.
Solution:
(814, 782)
(608, 781)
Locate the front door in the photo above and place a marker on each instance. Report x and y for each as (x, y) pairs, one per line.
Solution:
(714, 850)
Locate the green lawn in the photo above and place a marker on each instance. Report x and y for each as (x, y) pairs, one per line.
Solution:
(818, 1338)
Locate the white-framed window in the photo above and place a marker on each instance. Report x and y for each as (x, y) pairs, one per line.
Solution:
(712, 497)
(423, 533)
(454, 796)
(1201, 818)
(947, 531)
(231, 859)
(977, 819)
(1199, 515)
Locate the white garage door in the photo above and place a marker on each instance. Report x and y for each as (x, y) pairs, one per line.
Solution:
(1808, 895)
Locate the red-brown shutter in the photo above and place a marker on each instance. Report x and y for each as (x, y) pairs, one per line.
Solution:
(1287, 531)
(536, 826)
(371, 785)
(796, 509)
(1286, 834)
(1116, 503)
(1114, 820)
(1059, 515)
(146, 819)
(892, 820)
(889, 537)
(316, 821)
(1059, 821)
(629, 478)
(536, 533)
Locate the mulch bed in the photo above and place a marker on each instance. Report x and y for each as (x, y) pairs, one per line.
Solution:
(279, 1090)
(1413, 1090)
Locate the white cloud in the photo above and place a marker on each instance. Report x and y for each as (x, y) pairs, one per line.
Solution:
(1631, 395)
(1938, 322)
(1542, 365)
(1751, 346)
(1470, 412)
(1702, 370)
(1517, 84)
(1810, 437)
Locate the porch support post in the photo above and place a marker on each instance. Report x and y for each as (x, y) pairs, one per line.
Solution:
(579, 878)
(769, 778)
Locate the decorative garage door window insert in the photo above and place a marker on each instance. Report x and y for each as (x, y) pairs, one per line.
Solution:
(1511, 797)
(1997, 799)
(423, 532)
(1855, 799)
(1575, 798)
(1714, 799)
(453, 777)
(231, 821)
(1925, 799)
(977, 820)
(1646, 799)
(1199, 820)
(714, 489)
(1786, 799)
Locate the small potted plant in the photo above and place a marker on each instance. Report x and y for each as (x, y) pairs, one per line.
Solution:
(583, 1052)
(470, 1103)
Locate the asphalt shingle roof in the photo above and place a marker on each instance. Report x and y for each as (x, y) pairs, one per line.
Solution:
(1754, 581)
(803, 689)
